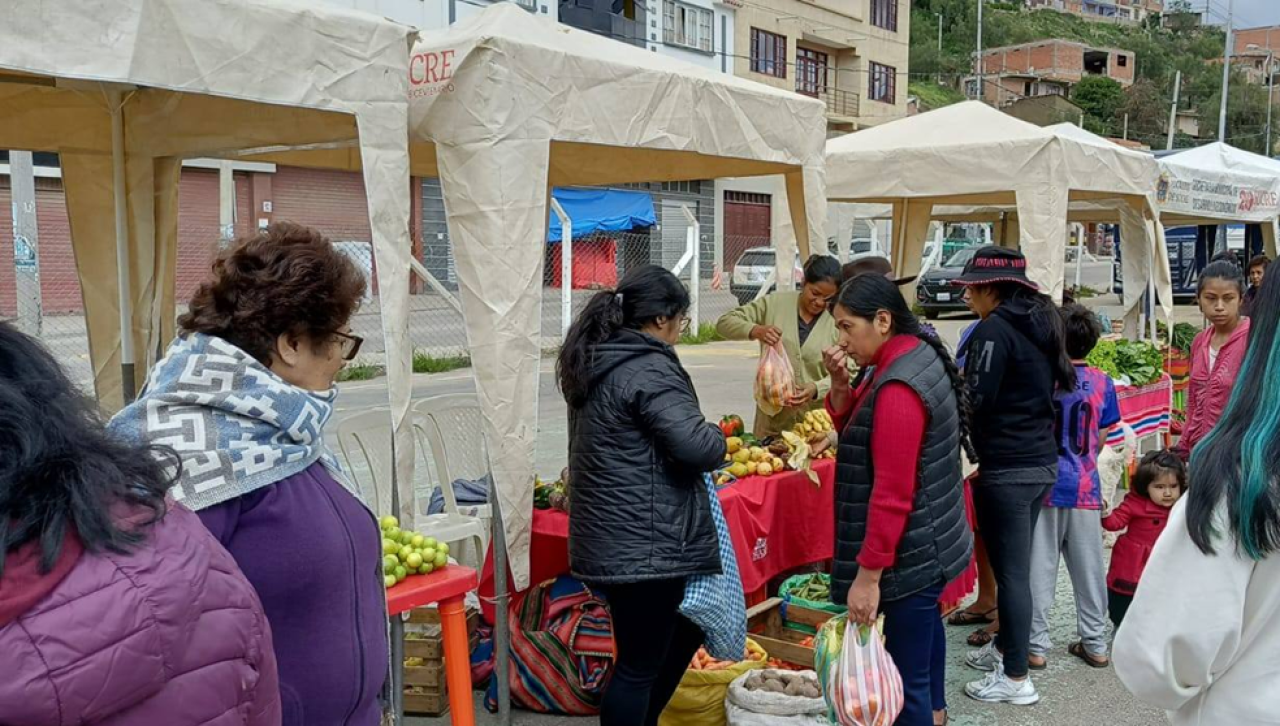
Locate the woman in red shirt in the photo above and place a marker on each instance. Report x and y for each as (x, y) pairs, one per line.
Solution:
(901, 531)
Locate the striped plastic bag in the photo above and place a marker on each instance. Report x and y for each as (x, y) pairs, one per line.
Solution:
(863, 688)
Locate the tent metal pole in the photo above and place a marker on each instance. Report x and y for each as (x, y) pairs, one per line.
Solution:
(501, 602)
(115, 103)
(693, 235)
(566, 267)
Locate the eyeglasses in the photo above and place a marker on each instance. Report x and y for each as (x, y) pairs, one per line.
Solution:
(686, 324)
(350, 344)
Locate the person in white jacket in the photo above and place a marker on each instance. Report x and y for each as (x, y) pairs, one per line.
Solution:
(1202, 637)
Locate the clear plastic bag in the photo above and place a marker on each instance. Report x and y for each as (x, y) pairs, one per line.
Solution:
(863, 688)
(775, 380)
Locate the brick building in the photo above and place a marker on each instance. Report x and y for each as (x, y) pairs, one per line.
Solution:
(1120, 11)
(333, 202)
(1047, 67)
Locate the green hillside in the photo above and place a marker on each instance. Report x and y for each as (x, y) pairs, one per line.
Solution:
(1160, 52)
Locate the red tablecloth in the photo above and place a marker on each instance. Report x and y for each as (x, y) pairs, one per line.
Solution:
(777, 523)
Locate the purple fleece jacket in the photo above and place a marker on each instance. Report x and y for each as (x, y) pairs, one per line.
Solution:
(314, 554)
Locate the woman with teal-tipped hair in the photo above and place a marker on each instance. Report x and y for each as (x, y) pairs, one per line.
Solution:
(1202, 638)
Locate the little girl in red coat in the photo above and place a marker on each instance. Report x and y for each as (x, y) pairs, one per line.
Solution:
(1160, 480)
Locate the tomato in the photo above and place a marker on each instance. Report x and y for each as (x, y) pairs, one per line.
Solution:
(731, 425)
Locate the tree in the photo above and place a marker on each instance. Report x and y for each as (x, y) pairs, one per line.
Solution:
(1246, 114)
(1148, 110)
(1100, 98)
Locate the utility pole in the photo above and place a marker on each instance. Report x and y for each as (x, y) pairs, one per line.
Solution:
(1271, 88)
(26, 259)
(1226, 74)
(980, 94)
(1173, 110)
(1125, 136)
(939, 47)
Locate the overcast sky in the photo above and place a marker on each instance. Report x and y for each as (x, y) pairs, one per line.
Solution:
(1249, 13)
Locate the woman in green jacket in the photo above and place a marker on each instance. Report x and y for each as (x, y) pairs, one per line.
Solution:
(801, 322)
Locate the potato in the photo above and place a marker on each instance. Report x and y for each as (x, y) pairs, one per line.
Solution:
(773, 685)
(794, 688)
(811, 691)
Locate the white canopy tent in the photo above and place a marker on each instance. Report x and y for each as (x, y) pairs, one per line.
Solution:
(1220, 184)
(124, 91)
(507, 105)
(970, 162)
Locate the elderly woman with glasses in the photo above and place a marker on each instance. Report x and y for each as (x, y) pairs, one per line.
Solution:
(242, 397)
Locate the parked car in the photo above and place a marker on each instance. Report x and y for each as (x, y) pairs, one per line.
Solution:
(936, 292)
(753, 268)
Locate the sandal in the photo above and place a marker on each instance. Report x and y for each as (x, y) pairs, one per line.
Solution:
(1093, 661)
(1033, 665)
(980, 637)
(968, 617)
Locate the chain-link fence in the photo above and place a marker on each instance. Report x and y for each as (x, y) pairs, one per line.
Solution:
(40, 290)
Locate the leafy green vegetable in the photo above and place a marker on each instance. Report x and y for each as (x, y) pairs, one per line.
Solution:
(1135, 361)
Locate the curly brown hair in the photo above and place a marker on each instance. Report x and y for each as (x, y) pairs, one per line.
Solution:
(285, 279)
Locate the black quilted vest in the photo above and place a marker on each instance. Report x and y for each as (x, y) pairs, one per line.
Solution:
(937, 543)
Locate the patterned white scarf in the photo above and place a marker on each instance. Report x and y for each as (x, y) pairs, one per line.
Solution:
(236, 426)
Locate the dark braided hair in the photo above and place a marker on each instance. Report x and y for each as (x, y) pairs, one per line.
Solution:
(866, 295)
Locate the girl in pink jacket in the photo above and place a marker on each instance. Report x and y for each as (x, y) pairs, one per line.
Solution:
(1217, 353)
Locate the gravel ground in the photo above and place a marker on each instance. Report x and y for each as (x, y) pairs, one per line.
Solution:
(1072, 693)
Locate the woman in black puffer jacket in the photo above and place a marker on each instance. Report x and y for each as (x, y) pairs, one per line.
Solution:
(640, 519)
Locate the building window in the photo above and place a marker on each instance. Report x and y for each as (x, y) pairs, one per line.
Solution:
(768, 53)
(1122, 60)
(686, 25)
(682, 187)
(811, 72)
(883, 84)
(884, 14)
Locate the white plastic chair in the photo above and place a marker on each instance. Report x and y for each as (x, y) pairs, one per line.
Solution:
(364, 441)
(450, 428)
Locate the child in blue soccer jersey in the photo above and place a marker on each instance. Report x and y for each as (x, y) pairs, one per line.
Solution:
(1070, 526)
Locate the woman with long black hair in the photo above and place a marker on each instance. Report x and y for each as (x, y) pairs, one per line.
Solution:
(1202, 637)
(640, 520)
(1014, 361)
(901, 531)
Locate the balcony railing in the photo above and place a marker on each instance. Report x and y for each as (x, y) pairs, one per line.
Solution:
(839, 101)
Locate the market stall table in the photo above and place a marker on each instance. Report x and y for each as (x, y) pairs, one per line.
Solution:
(447, 587)
(777, 523)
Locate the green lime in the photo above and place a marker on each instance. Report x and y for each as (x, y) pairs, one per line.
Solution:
(390, 562)
(441, 560)
(429, 554)
(388, 580)
(390, 547)
(418, 540)
(414, 560)
(392, 534)
(401, 573)
(443, 548)
(389, 522)
(405, 551)
(405, 537)
(431, 542)
(428, 568)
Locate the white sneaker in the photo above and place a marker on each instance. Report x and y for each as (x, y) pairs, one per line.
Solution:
(996, 687)
(986, 658)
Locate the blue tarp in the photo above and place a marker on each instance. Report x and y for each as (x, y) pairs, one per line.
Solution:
(600, 210)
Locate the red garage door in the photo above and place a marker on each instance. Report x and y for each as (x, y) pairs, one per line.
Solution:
(747, 221)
